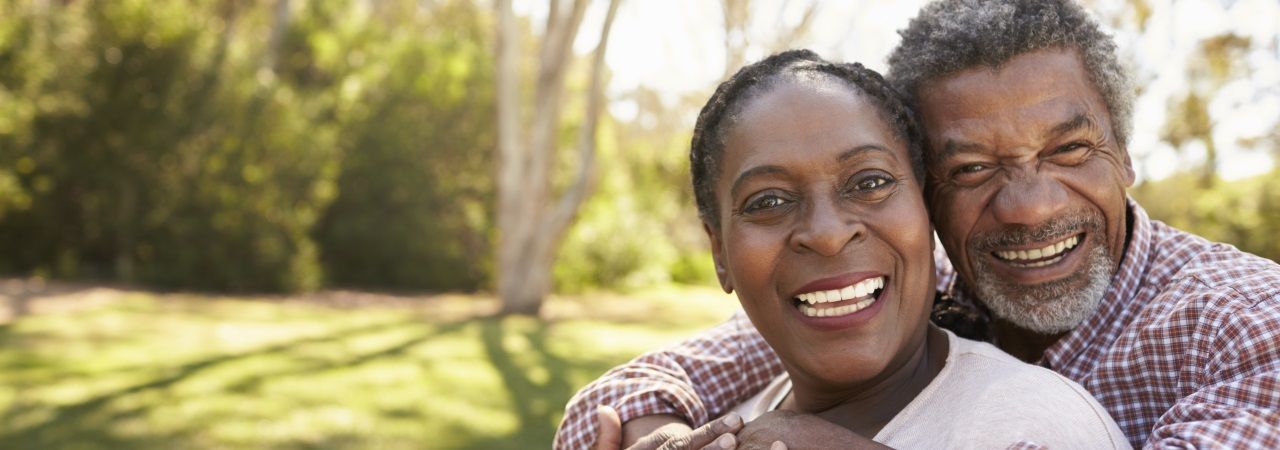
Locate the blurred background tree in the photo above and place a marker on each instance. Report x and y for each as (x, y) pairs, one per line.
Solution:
(288, 145)
(283, 146)
(532, 220)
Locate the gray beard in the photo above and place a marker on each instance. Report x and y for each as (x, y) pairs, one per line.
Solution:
(1052, 307)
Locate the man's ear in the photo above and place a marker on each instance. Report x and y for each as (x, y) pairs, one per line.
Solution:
(717, 256)
(1129, 175)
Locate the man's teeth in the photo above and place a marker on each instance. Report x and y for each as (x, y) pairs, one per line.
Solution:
(862, 289)
(1053, 251)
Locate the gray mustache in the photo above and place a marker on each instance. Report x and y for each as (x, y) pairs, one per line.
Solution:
(1058, 227)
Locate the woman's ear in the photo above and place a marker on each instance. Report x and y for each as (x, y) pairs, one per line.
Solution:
(717, 256)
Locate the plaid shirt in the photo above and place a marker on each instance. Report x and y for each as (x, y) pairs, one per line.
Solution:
(1184, 352)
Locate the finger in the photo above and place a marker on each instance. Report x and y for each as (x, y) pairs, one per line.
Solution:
(706, 434)
(778, 445)
(726, 441)
(609, 435)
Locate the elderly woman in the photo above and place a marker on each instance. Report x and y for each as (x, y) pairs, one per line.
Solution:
(808, 178)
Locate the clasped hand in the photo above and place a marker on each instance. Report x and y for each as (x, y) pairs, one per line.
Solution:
(775, 430)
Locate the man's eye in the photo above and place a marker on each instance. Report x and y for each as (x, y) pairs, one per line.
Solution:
(1071, 154)
(971, 173)
(1074, 146)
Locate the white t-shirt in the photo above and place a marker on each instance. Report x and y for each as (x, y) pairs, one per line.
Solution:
(983, 398)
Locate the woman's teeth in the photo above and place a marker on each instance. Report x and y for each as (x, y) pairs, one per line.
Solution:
(861, 291)
(837, 311)
(1049, 254)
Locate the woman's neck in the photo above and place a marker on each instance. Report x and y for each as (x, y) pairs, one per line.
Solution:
(867, 408)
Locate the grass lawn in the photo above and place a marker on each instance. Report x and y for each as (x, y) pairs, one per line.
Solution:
(96, 367)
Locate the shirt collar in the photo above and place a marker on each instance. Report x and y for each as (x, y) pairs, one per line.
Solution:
(1117, 302)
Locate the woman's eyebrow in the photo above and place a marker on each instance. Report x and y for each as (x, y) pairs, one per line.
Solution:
(860, 150)
(751, 173)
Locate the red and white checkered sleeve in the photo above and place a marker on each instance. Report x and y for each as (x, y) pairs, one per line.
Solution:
(696, 379)
(1237, 405)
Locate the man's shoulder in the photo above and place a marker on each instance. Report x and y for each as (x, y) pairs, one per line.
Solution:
(1198, 269)
(1208, 290)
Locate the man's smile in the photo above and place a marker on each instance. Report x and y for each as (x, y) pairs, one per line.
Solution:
(1041, 256)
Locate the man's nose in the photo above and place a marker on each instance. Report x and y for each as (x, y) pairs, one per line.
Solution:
(1029, 200)
(825, 229)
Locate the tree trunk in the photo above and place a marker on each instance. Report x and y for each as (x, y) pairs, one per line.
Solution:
(530, 224)
(279, 24)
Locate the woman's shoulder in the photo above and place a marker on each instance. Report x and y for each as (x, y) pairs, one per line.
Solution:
(984, 371)
(1004, 400)
(993, 366)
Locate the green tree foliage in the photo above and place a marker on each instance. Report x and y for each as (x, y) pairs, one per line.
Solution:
(641, 228)
(415, 190)
(170, 143)
(1244, 213)
(158, 153)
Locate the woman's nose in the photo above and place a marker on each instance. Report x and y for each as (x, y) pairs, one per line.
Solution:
(825, 229)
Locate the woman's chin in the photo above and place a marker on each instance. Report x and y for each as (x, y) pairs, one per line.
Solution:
(844, 368)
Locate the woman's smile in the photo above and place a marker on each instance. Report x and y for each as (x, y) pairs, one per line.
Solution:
(840, 302)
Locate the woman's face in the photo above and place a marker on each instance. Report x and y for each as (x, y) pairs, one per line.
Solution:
(823, 233)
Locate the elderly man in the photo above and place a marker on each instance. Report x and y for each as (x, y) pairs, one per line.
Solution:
(1028, 115)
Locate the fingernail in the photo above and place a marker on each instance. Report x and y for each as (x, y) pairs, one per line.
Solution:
(725, 441)
(732, 420)
(778, 445)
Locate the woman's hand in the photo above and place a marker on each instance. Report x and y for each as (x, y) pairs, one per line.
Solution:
(781, 430)
(666, 432)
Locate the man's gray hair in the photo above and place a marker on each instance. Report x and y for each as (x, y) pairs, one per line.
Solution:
(952, 35)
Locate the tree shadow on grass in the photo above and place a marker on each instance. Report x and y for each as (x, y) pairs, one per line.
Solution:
(536, 404)
(92, 421)
(253, 383)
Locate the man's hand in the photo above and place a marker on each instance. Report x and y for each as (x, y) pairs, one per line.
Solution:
(665, 433)
(780, 430)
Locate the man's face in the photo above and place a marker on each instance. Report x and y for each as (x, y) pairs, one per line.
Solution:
(1027, 186)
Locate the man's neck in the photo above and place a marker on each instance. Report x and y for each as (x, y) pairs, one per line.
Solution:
(1026, 345)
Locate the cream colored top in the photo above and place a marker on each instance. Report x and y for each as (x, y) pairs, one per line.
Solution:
(983, 398)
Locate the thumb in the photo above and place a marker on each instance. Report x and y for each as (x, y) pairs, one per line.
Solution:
(609, 434)
(778, 445)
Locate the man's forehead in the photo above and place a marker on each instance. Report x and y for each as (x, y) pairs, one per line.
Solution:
(1028, 77)
(1029, 96)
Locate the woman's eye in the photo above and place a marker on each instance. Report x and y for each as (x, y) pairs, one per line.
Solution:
(972, 168)
(872, 183)
(764, 202)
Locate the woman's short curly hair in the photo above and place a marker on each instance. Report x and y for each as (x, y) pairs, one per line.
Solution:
(952, 35)
(721, 111)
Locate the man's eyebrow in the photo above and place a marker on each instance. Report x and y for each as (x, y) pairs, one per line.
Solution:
(1076, 122)
(951, 147)
(750, 173)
